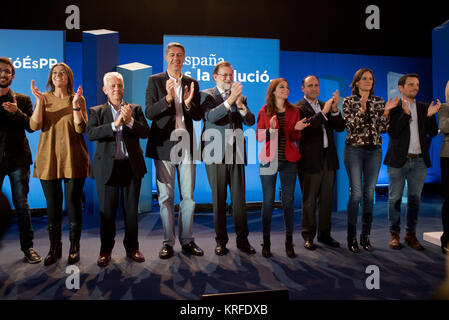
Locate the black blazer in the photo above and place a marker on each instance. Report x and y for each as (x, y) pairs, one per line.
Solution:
(99, 129)
(216, 117)
(14, 144)
(311, 142)
(164, 116)
(399, 133)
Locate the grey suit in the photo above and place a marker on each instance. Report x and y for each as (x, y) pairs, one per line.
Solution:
(221, 174)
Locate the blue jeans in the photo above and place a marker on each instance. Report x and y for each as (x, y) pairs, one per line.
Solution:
(287, 173)
(415, 172)
(19, 179)
(165, 181)
(363, 167)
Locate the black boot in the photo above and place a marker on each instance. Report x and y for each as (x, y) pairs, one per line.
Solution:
(55, 252)
(353, 246)
(74, 253)
(365, 243)
(289, 247)
(266, 252)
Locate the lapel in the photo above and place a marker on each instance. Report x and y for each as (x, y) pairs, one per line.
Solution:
(218, 95)
(107, 113)
(309, 107)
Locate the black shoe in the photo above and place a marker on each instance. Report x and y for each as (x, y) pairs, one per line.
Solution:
(104, 259)
(309, 245)
(365, 243)
(166, 252)
(353, 246)
(54, 254)
(330, 242)
(247, 249)
(220, 250)
(289, 249)
(193, 249)
(266, 249)
(74, 253)
(31, 256)
(136, 256)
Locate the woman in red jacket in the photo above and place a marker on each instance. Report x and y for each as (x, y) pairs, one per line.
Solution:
(279, 126)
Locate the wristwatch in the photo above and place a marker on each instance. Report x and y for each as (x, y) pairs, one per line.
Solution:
(77, 109)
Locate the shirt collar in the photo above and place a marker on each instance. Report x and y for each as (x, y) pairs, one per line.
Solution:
(112, 106)
(180, 78)
(310, 101)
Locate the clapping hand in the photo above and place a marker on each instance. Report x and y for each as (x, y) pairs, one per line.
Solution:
(188, 94)
(76, 98)
(391, 104)
(35, 91)
(301, 124)
(126, 113)
(11, 107)
(433, 109)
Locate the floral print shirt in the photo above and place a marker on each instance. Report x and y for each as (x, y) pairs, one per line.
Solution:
(360, 126)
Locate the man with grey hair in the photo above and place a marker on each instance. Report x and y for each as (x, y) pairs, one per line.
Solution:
(118, 165)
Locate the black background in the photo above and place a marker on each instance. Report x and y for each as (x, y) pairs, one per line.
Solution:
(314, 25)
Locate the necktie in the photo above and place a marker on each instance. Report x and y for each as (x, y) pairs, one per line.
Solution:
(120, 152)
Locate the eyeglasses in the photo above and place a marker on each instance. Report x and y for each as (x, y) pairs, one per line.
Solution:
(226, 75)
(7, 71)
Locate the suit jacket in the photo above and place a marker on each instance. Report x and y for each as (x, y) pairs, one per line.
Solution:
(216, 117)
(99, 129)
(311, 143)
(399, 132)
(164, 116)
(13, 141)
(291, 135)
(443, 119)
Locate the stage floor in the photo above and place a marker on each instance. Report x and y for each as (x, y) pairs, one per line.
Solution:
(326, 273)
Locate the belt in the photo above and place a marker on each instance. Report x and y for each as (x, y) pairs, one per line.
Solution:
(414, 155)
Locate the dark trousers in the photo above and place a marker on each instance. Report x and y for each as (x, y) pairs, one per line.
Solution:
(317, 187)
(19, 179)
(73, 190)
(220, 176)
(124, 186)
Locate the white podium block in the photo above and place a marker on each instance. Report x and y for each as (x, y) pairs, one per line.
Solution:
(433, 237)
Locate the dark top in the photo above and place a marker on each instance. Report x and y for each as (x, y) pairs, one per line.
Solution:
(282, 139)
(14, 148)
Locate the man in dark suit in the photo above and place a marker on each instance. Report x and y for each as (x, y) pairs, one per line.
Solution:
(118, 165)
(15, 155)
(225, 111)
(172, 102)
(412, 125)
(319, 162)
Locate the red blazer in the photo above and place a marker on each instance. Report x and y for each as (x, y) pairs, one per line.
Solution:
(292, 135)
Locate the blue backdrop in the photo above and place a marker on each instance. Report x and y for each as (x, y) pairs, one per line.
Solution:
(33, 53)
(334, 71)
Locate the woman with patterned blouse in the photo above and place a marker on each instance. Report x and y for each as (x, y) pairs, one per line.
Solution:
(62, 156)
(278, 124)
(366, 117)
